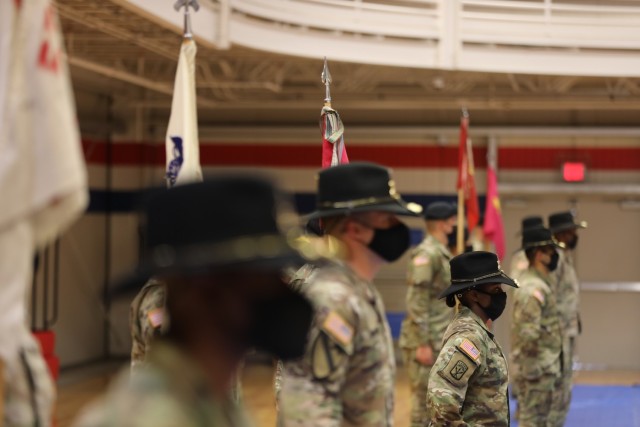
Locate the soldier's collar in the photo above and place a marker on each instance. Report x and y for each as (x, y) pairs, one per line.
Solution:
(477, 319)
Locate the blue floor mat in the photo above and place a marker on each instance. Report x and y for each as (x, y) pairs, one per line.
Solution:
(607, 406)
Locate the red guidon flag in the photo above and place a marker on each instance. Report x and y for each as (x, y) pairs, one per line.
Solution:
(466, 175)
(493, 225)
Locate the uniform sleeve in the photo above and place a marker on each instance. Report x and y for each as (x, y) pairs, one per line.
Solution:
(527, 318)
(449, 380)
(147, 321)
(310, 390)
(421, 272)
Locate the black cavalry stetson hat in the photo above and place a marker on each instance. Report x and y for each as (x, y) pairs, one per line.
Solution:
(538, 236)
(223, 221)
(562, 221)
(531, 222)
(440, 210)
(359, 187)
(473, 269)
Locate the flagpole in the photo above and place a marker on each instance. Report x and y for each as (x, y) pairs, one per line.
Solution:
(460, 234)
(492, 161)
(326, 79)
(187, 34)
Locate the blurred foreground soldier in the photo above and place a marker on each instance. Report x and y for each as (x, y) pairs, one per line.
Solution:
(347, 376)
(468, 383)
(519, 261)
(218, 248)
(565, 230)
(537, 334)
(427, 318)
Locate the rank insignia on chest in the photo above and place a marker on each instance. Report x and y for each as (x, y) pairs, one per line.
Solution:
(338, 328)
(470, 350)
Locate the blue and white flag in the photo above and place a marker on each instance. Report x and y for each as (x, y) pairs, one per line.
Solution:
(182, 145)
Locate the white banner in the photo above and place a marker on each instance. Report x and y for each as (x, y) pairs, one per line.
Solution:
(42, 171)
(182, 145)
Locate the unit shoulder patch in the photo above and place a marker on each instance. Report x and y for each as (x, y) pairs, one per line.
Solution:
(458, 370)
(468, 348)
(338, 328)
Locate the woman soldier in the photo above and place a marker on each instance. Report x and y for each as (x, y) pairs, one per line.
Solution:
(468, 382)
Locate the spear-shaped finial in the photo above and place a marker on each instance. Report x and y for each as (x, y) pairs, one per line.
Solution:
(326, 79)
(187, 17)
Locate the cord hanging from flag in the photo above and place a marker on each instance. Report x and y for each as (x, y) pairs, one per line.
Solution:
(493, 224)
(334, 151)
(466, 185)
(181, 143)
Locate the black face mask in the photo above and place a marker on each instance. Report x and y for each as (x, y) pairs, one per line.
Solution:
(391, 243)
(497, 304)
(553, 264)
(281, 324)
(573, 242)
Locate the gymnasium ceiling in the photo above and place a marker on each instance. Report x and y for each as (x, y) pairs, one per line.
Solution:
(127, 61)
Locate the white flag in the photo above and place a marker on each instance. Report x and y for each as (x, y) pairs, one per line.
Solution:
(42, 171)
(43, 184)
(182, 146)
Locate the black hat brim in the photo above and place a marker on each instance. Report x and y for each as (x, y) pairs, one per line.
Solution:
(569, 226)
(502, 279)
(134, 281)
(399, 207)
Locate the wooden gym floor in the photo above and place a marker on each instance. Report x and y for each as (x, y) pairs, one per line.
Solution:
(77, 389)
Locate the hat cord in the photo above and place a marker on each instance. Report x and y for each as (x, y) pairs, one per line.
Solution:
(475, 279)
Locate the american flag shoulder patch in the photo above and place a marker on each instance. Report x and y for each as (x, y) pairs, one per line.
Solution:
(338, 328)
(538, 295)
(156, 317)
(469, 349)
(421, 260)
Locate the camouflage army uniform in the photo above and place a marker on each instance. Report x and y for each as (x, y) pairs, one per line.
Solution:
(427, 317)
(538, 346)
(167, 391)
(147, 319)
(519, 264)
(297, 282)
(347, 375)
(469, 380)
(568, 297)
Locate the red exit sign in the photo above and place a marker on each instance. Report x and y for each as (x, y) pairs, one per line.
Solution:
(573, 171)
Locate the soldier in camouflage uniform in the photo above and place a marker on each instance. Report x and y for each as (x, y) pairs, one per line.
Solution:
(564, 229)
(469, 380)
(222, 261)
(148, 322)
(519, 265)
(427, 317)
(537, 333)
(347, 374)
